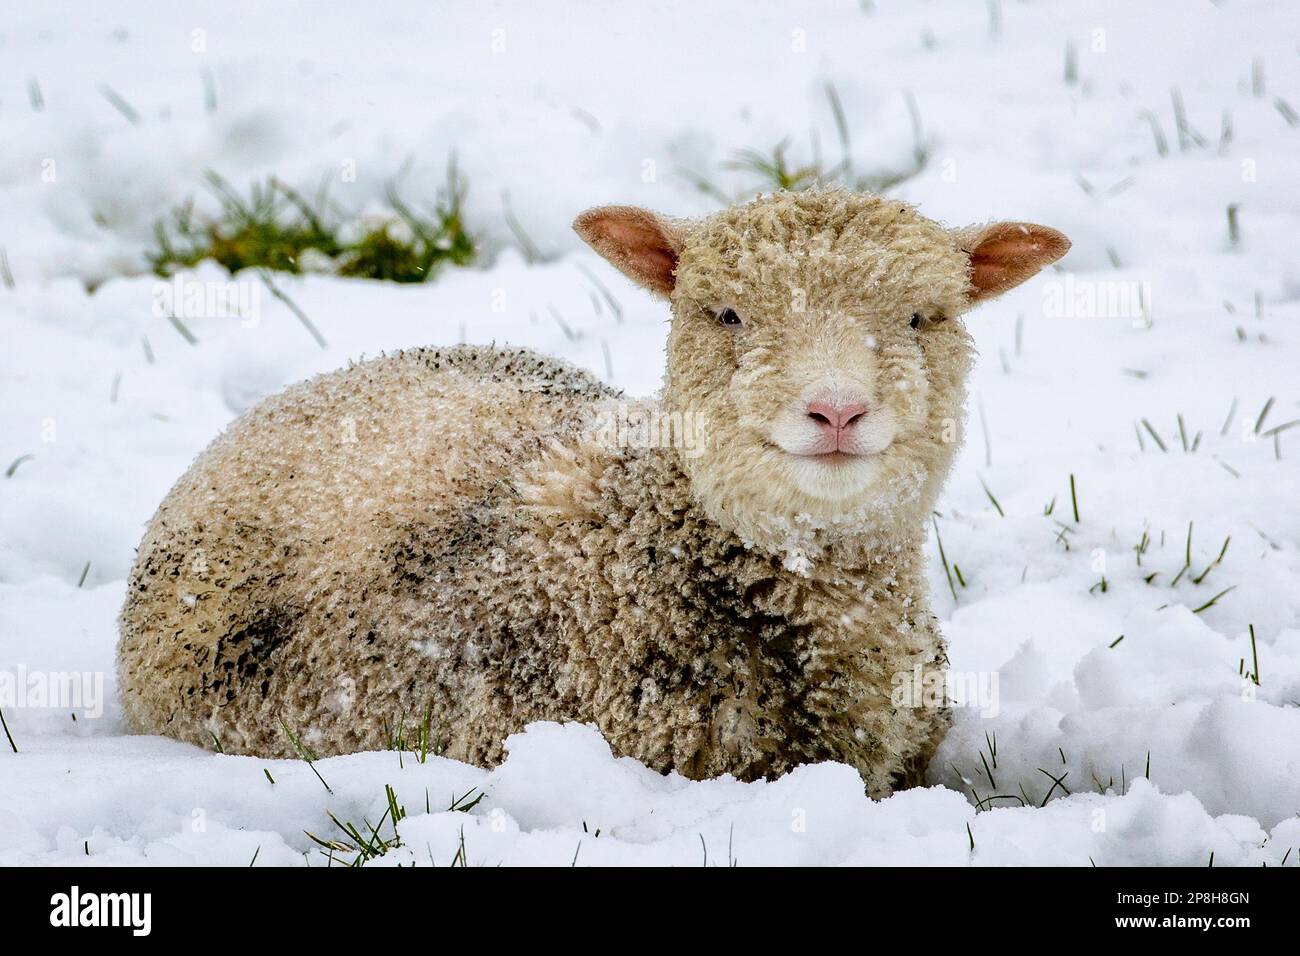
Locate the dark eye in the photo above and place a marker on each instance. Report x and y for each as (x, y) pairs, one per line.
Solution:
(917, 320)
(729, 317)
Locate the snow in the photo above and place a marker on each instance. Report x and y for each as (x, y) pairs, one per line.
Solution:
(1165, 751)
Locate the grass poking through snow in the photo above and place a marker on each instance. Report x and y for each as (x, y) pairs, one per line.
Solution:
(13, 465)
(276, 228)
(943, 557)
(8, 736)
(774, 169)
(305, 754)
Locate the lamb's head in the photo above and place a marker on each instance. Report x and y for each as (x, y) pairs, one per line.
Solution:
(817, 343)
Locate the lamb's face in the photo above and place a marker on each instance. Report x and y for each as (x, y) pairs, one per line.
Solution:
(816, 343)
(794, 332)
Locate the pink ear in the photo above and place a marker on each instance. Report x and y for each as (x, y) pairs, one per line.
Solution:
(1005, 254)
(637, 242)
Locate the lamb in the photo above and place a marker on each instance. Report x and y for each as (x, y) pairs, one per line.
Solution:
(467, 540)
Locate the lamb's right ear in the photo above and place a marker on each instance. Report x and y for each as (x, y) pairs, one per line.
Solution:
(637, 242)
(1005, 254)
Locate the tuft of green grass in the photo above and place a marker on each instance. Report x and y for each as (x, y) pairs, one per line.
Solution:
(370, 842)
(369, 847)
(421, 744)
(416, 253)
(775, 170)
(267, 230)
(274, 228)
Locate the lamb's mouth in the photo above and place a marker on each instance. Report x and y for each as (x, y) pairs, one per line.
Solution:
(828, 459)
(831, 459)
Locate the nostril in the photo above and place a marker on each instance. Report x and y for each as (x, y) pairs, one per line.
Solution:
(838, 417)
(851, 415)
(824, 414)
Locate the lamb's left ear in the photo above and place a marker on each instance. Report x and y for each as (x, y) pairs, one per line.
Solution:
(1005, 254)
(637, 242)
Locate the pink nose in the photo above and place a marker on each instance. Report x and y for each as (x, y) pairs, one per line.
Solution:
(835, 418)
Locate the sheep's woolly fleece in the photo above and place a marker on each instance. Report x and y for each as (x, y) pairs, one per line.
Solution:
(435, 540)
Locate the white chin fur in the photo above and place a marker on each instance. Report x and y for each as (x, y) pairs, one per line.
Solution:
(843, 478)
(838, 481)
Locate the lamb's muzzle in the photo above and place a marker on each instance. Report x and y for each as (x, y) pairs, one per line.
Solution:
(359, 560)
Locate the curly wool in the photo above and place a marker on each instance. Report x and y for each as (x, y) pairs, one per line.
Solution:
(438, 538)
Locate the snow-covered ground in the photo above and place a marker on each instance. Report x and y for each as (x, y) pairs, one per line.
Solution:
(1165, 748)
